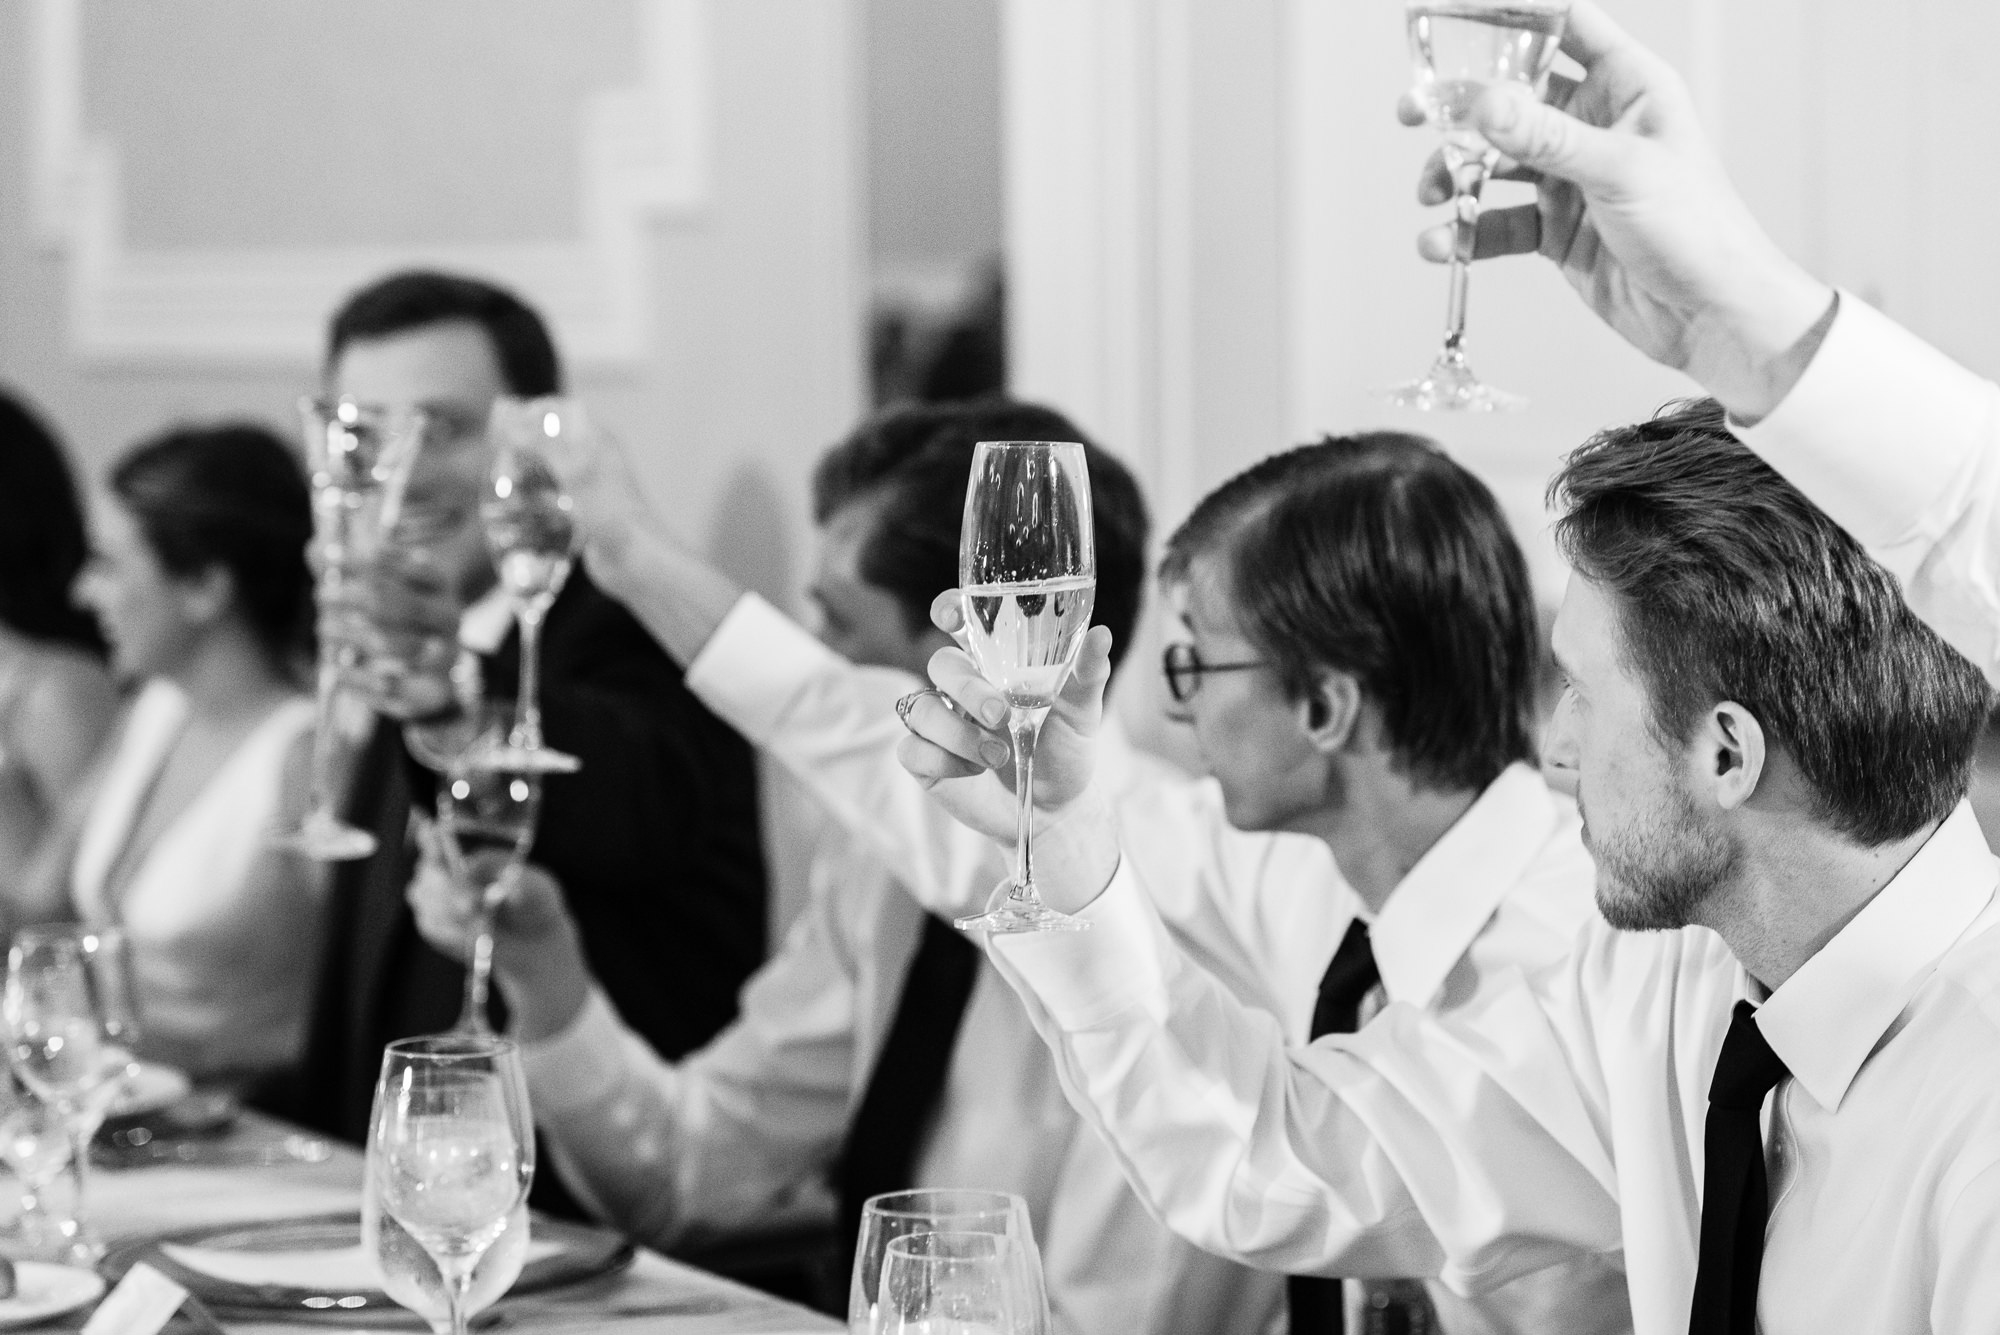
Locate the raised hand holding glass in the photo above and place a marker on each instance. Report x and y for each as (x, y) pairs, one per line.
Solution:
(1459, 48)
(1027, 570)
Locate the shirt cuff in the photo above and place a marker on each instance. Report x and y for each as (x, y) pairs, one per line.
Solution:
(1877, 427)
(754, 666)
(1085, 979)
(583, 1064)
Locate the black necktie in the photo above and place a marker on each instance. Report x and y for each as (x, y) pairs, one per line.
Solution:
(908, 1079)
(1315, 1302)
(1735, 1196)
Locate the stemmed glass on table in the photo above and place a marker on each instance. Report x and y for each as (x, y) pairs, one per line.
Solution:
(35, 1144)
(946, 1256)
(1460, 47)
(531, 532)
(451, 1154)
(1027, 574)
(486, 820)
(360, 460)
(72, 1031)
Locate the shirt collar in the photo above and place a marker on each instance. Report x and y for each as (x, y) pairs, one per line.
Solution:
(1438, 909)
(483, 626)
(1828, 1017)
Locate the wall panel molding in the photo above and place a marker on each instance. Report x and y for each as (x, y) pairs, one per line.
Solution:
(643, 157)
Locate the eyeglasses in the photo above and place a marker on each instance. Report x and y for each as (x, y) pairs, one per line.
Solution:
(1184, 670)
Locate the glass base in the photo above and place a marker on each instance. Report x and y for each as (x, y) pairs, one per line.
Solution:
(1020, 915)
(524, 760)
(324, 837)
(1450, 386)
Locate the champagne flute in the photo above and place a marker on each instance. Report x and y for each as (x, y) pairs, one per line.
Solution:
(486, 820)
(35, 1144)
(950, 1284)
(360, 460)
(531, 532)
(451, 1154)
(902, 1214)
(71, 1032)
(1460, 47)
(1027, 572)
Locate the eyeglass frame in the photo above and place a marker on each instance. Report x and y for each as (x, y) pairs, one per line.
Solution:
(1181, 665)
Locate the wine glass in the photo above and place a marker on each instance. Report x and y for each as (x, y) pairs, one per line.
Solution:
(950, 1284)
(531, 532)
(451, 1154)
(360, 458)
(35, 1144)
(1027, 572)
(72, 1031)
(486, 819)
(1460, 47)
(902, 1214)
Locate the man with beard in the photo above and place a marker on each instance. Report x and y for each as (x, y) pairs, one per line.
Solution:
(1771, 753)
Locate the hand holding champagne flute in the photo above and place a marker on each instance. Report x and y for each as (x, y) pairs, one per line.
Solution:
(1459, 48)
(486, 819)
(1027, 569)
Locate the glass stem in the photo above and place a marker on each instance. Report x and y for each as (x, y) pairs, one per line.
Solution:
(1468, 179)
(528, 712)
(1025, 725)
(457, 1289)
(320, 781)
(81, 1129)
(478, 975)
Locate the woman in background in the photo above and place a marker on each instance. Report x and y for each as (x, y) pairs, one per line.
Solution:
(199, 579)
(56, 700)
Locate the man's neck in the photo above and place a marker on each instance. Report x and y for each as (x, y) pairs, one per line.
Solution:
(1798, 890)
(1381, 827)
(228, 677)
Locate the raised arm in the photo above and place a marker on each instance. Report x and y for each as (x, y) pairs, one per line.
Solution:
(1888, 435)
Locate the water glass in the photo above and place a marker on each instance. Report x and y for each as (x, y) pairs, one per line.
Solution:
(887, 1218)
(451, 1154)
(951, 1284)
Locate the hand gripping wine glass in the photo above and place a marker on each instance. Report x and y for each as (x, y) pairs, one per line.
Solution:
(72, 1030)
(360, 460)
(531, 533)
(901, 1214)
(1027, 571)
(1459, 48)
(451, 1154)
(486, 820)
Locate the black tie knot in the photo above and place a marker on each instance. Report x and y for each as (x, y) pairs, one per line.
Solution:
(1747, 1070)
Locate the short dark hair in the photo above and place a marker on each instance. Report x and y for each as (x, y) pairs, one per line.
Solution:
(420, 298)
(917, 460)
(43, 542)
(1730, 585)
(1375, 554)
(230, 496)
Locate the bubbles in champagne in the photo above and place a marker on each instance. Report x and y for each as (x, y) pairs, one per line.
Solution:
(1460, 48)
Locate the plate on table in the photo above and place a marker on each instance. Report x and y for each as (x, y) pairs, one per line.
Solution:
(42, 1291)
(315, 1267)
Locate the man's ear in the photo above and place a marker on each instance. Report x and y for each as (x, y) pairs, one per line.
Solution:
(1329, 711)
(1729, 754)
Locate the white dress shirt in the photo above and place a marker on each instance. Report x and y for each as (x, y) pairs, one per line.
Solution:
(1901, 445)
(1508, 889)
(1566, 1113)
(744, 1128)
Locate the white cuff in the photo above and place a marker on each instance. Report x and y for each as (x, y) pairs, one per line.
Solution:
(1877, 428)
(754, 666)
(1085, 979)
(584, 1064)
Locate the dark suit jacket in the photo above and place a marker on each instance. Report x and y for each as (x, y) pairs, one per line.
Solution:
(655, 840)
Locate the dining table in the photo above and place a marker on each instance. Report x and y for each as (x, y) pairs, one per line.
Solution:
(265, 1170)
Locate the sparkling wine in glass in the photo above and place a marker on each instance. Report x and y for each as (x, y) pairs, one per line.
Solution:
(1027, 572)
(902, 1214)
(486, 817)
(72, 1030)
(531, 533)
(1460, 47)
(360, 459)
(451, 1154)
(951, 1284)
